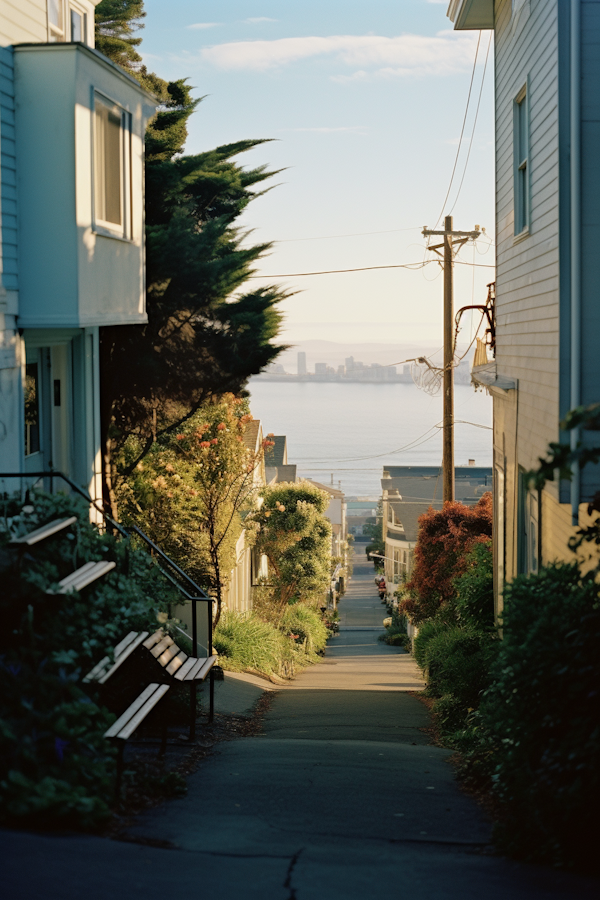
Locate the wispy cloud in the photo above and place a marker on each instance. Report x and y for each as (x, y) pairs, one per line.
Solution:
(200, 26)
(256, 20)
(407, 54)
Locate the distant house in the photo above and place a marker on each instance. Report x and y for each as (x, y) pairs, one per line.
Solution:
(277, 469)
(547, 108)
(336, 513)
(72, 128)
(407, 493)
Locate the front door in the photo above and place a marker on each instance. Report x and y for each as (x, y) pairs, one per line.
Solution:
(47, 415)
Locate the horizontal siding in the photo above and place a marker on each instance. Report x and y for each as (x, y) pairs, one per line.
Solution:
(22, 21)
(8, 171)
(528, 270)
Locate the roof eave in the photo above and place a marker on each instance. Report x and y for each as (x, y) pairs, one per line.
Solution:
(471, 15)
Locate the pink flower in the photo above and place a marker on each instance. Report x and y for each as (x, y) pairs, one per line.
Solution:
(215, 441)
(180, 437)
(205, 444)
(221, 426)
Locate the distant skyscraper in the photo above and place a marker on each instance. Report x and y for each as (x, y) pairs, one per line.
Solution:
(302, 363)
(320, 368)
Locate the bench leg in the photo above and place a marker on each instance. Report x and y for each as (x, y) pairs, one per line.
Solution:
(211, 708)
(192, 710)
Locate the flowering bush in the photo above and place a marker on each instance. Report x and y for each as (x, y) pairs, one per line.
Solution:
(445, 538)
(192, 489)
(295, 536)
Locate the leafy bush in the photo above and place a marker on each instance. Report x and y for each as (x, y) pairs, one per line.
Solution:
(427, 631)
(243, 641)
(543, 715)
(307, 624)
(442, 552)
(458, 663)
(474, 603)
(55, 766)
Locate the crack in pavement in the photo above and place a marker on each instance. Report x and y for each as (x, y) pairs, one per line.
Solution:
(288, 880)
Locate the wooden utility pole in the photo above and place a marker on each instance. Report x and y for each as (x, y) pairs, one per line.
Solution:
(449, 247)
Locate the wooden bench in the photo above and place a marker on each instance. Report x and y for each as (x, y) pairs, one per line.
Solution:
(130, 721)
(83, 576)
(169, 664)
(46, 531)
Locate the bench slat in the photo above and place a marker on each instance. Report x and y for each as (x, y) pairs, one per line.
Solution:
(176, 662)
(154, 638)
(126, 640)
(201, 669)
(167, 655)
(190, 661)
(83, 576)
(127, 723)
(44, 532)
(103, 670)
(162, 645)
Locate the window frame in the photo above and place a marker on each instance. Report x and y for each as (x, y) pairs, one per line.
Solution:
(522, 162)
(62, 34)
(101, 226)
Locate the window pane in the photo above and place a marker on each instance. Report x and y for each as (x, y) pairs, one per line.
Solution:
(108, 164)
(76, 26)
(522, 125)
(32, 409)
(55, 13)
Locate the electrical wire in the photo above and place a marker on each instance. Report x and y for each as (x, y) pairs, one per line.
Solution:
(411, 266)
(462, 131)
(474, 125)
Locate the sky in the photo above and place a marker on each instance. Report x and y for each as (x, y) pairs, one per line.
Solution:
(363, 104)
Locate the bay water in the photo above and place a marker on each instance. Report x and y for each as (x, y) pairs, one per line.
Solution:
(349, 431)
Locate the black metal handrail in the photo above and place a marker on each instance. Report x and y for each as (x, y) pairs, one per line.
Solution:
(199, 594)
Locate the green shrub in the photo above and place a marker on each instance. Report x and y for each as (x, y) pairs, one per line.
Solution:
(543, 714)
(427, 631)
(55, 766)
(474, 603)
(458, 663)
(308, 625)
(243, 641)
(397, 639)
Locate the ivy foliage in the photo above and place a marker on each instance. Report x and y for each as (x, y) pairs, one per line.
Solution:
(56, 769)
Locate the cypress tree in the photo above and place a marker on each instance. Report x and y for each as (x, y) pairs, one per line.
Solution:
(205, 336)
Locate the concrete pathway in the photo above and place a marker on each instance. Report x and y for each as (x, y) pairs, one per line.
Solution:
(341, 798)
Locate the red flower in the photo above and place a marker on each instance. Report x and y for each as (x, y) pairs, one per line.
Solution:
(180, 437)
(215, 441)
(221, 426)
(205, 444)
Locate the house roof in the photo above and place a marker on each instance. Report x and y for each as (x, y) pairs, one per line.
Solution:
(331, 490)
(423, 484)
(409, 513)
(277, 455)
(252, 433)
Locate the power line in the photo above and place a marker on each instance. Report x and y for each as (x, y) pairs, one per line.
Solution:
(462, 131)
(411, 266)
(474, 125)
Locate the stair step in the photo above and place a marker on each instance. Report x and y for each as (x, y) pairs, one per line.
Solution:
(83, 576)
(46, 531)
